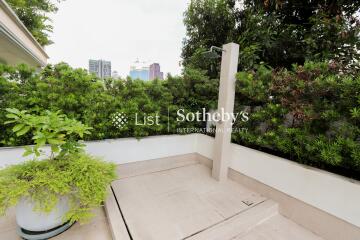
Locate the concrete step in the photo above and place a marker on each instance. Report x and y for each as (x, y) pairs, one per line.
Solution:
(278, 228)
(240, 224)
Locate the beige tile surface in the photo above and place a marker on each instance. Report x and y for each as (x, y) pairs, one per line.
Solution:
(160, 164)
(8, 222)
(177, 203)
(241, 223)
(184, 202)
(115, 220)
(96, 229)
(321, 223)
(278, 228)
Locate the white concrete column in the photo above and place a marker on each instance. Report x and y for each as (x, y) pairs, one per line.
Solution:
(229, 65)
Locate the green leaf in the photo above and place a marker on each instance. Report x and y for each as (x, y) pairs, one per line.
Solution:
(37, 152)
(8, 122)
(18, 127)
(12, 110)
(23, 131)
(40, 141)
(355, 113)
(12, 116)
(28, 151)
(55, 148)
(55, 141)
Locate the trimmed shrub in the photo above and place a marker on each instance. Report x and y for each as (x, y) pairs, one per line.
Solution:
(86, 98)
(310, 114)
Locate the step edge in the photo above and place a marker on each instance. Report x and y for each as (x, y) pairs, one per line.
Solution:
(263, 212)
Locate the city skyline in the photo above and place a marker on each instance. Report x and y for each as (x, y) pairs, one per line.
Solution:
(138, 70)
(119, 35)
(145, 71)
(100, 68)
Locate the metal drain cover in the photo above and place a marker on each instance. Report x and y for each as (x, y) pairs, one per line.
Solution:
(248, 202)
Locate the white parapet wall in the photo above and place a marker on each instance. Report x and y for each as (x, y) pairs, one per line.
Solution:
(121, 151)
(331, 193)
(129, 150)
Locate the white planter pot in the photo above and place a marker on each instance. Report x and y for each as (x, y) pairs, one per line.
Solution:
(30, 220)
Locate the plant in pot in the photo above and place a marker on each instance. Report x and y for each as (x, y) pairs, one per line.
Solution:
(61, 184)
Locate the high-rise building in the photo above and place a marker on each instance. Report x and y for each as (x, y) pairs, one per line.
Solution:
(155, 72)
(139, 71)
(115, 75)
(101, 68)
(142, 71)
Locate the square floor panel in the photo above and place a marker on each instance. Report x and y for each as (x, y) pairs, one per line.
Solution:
(178, 203)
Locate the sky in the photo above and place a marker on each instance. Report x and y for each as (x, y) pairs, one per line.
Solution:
(119, 31)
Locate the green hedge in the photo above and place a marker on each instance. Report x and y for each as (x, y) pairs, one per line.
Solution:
(92, 101)
(310, 114)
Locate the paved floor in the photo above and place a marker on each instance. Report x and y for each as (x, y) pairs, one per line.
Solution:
(97, 229)
(277, 228)
(186, 203)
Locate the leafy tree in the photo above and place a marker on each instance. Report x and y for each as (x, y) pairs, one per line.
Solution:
(303, 30)
(208, 23)
(34, 16)
(278, 33)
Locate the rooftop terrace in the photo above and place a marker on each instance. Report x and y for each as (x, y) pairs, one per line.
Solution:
(165, 190)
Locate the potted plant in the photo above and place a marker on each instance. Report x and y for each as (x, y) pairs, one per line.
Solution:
(61, 184)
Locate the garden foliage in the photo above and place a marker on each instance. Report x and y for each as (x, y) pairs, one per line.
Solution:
(66, 172)
(299, 63)
(84, 97)
(310, 114)
(81, 178)
(278, 33)
(34, 15)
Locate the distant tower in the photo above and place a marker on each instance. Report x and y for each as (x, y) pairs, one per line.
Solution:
(101, 68)
(155, 72)
(139, 71)
(115, 74)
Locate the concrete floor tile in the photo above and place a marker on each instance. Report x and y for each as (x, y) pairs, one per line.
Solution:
(279, 228)
(177, 203)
